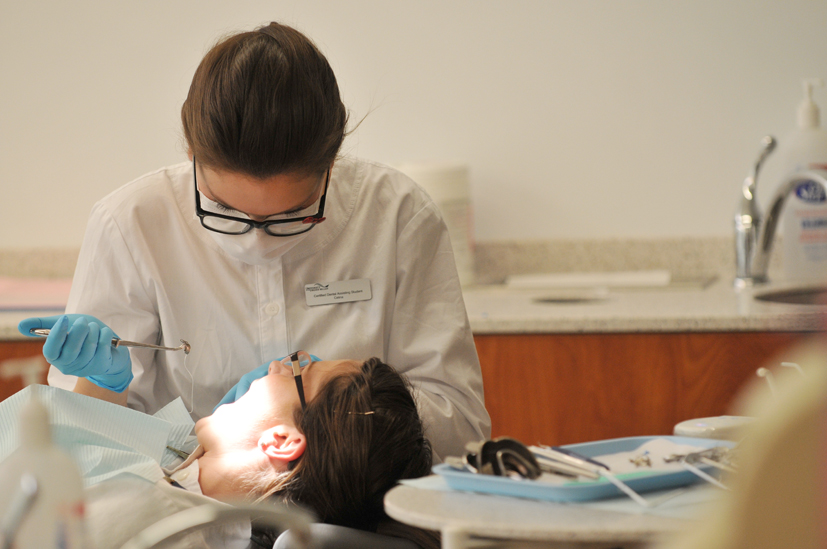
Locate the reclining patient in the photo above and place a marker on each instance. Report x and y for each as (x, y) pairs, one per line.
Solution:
(358, 434)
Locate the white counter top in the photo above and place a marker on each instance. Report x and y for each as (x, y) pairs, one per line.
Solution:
(499, 310)
(716, 308)
(10, 319)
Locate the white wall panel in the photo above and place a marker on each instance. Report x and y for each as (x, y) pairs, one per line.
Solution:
(578, 118)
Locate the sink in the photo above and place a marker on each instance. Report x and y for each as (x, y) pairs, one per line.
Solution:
(605, 281)
(568, 300)
(586, 288)
(572, 296)
(803, 295)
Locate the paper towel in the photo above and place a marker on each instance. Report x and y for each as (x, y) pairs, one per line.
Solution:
(447, 185)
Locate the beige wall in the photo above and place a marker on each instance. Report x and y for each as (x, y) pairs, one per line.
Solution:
(578, 118)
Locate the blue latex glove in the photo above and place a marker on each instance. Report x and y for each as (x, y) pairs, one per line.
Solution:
(81, 345)
(247, 379)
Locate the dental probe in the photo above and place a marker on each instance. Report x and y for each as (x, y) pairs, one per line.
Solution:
(180, 453)
(116, 342)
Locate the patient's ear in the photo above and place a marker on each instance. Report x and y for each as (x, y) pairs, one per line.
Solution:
(282, 442)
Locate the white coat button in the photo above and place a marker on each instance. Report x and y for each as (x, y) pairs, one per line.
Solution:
(272, 309)
(183, 475)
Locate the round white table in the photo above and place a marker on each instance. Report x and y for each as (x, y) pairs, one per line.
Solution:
(462, 516)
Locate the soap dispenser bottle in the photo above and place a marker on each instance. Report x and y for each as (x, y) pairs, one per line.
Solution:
(41, 490)
(805, 216)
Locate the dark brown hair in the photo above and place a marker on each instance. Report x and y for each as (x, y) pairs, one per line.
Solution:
(364, 435)
(265, 103)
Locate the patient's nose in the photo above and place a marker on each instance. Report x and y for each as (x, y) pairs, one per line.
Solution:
(277, 367)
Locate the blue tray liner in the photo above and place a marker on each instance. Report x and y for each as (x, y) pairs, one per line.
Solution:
(581, 491)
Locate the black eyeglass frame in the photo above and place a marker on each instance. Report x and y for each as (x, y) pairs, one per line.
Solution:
(297, 375)
(311, 221)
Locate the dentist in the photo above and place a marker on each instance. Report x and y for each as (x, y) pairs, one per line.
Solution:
(264, 242)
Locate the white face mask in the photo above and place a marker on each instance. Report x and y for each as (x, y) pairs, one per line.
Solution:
(256, 247)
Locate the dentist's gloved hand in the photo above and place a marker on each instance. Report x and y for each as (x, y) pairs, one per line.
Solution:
(81, 345)
(247, 379)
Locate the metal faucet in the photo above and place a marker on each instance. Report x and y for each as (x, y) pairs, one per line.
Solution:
(748, 219)
(754, 235)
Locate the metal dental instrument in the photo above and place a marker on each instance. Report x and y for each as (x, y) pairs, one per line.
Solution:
(576, 456)
(552, 459)
(116, 342)
(180, 453)
(501, 457)
(719, 457)
(558, 467)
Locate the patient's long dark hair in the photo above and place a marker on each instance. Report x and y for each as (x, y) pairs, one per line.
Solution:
(364, 434)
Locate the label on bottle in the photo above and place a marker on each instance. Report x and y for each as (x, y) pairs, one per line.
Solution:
(805, 228)
(811, 192)
(805, 237)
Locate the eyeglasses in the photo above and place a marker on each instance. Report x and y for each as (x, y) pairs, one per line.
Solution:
(285, 225)
(297, 361)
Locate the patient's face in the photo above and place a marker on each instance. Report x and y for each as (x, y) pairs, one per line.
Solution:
(270, 401)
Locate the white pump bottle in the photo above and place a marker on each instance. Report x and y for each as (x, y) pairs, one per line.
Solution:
(805, 216)
(54, 517)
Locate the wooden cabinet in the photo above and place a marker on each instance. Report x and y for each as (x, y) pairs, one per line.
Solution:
(567, 388)
(17, 349)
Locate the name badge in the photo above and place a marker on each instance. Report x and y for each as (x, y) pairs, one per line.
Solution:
(343, 291)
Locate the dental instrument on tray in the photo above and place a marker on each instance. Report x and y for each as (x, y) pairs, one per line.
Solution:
(568, 456)
(555, 459)
(507, 457)
(502, 456)
(567, 462)
(558, 467)
(117, 342)
(719, 457)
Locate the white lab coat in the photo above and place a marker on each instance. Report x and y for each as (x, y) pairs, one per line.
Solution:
(151, 272)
